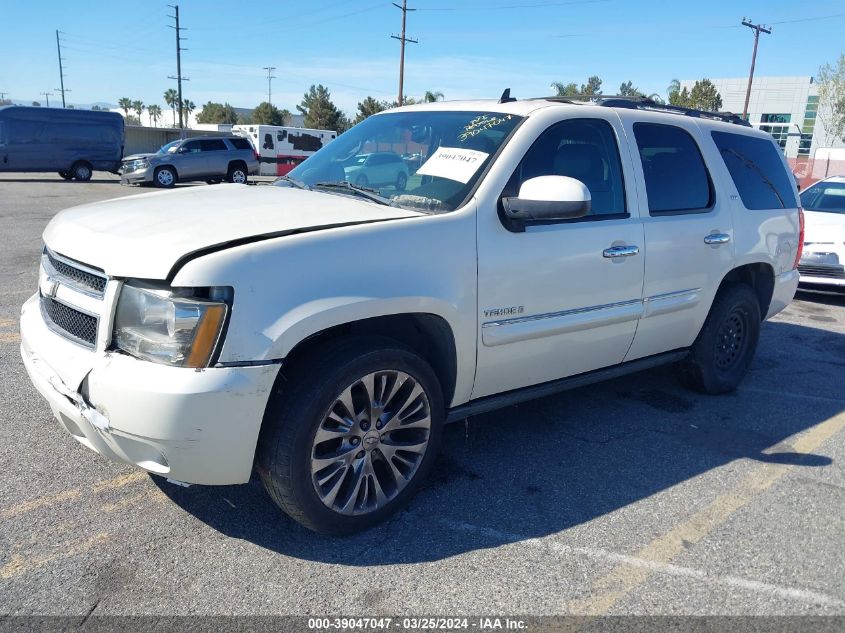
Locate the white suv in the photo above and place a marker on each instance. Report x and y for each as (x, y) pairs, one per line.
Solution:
(323, 332)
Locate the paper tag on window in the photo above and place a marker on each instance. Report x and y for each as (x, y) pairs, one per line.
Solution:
(454, 163)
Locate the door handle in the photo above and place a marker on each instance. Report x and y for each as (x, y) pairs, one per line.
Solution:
(620, 251)
(717, 238)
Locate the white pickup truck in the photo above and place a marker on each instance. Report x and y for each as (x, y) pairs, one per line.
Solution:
(323, 332)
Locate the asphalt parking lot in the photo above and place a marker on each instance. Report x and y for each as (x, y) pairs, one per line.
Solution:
(630, 497)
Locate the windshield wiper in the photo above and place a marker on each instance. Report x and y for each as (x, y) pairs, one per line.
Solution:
(364, 192)
(294, 182)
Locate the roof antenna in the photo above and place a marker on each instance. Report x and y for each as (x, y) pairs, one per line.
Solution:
(506, 96)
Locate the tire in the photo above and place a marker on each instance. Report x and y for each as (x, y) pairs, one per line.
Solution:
(81, 171)
(66, 175)
(237, 174)
(362, 181)
(165, 177)
(401, 181)
(311, 391)
(723, 350)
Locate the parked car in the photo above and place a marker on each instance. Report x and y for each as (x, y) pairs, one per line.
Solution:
(377, 169)
(209, 158)
(822, 263)
(323, 333)
(72, 142)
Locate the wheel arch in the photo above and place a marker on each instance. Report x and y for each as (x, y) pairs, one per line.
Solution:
(760, 276)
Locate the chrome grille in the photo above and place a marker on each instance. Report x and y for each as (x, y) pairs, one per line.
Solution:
(79, 275)
(833, 272)
(69, 321)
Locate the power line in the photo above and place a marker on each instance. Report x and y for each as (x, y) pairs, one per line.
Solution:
(402, 40)
(270, 78)
(179, 78)
(61, 69)
(757, 28)
(47, 96)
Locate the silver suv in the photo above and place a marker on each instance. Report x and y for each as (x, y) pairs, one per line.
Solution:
(209, 158)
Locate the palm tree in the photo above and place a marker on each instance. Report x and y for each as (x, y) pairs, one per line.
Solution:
(155, 112)
(674, 86)
(138, 106)
(431, 97)
(125, 104)
(170, 98)
(188, 106)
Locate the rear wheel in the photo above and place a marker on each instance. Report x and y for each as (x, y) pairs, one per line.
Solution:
(362, 181)
(351, 434)
(237, 174)
(165, 177)
(81, 171)
(723, 350)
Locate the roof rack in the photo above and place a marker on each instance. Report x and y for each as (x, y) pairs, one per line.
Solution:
(644, 103)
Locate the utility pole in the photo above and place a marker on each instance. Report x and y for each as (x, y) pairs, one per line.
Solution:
(47, 96)
(757, 28)
(402, 39)
(270, 78)
(61, 69)
(2, 96)
(179, 78)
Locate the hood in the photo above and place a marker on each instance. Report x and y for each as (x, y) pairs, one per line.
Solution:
(146, 235)
(137, 156)
(823, 227)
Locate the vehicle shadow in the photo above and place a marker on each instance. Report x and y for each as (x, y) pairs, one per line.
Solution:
(550, 465)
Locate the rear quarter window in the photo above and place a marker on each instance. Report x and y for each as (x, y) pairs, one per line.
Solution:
(757, 170)
(240, 143)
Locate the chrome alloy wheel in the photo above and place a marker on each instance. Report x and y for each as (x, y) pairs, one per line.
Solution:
(370, 442)
(164, 177)
(238, 176)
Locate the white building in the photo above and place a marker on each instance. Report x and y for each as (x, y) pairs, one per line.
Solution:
(786, 107)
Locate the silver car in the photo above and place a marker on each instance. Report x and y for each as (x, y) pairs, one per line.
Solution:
(209, 158)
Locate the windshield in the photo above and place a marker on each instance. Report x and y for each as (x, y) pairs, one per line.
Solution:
(169, 148)
(825, 196)
(422, 160)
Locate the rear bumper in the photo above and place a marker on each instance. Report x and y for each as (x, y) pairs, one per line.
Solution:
(785, 286)
(196, 426)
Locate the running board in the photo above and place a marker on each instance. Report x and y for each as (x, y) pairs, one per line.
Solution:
(510, 398)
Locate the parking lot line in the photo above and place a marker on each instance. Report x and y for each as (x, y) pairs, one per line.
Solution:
(626, 577)
(19, 564)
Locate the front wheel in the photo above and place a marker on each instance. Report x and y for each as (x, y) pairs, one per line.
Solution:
(350, 434)
(723, 350)
(81, 171)
(165, 177)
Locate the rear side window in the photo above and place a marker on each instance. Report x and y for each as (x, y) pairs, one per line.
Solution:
(757, 171)
(676, 179)
(240, 143)
(213, 145)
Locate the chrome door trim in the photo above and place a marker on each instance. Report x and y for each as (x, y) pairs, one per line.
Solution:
(671, 302)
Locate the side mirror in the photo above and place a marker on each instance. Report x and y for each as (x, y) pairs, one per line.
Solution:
(546, 199)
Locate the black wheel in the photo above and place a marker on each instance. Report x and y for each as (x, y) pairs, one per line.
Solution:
(401, 181)
(237, 174)
(66, 175)
(81, 171)
(724, 348)
(362, 181)
(350, 433)
(165, 177)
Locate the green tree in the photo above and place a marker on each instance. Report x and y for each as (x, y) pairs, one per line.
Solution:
(37, 104)
(680, 98)
(171, 97)
(831, 112)
(704, 96)
(155, 113)
(627, 89)
(286, 115)
(406, 100)
(138, 107)
(590, 89)
(125, 104)
(188, 106)
(96, 107)
(319, 111)
(431, 97)
(267, 114)
(369, 107)
(564, 90)
(674, 87)
(217, 113)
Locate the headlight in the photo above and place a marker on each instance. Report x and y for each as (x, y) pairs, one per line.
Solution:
(165, 327)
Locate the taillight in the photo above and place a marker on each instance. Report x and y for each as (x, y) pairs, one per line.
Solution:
(800, 237)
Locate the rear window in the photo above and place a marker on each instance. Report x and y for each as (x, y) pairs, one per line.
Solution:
(757, 170)
(240, 143)
(676, 179)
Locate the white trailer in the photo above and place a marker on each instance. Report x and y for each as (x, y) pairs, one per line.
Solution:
(280, 148)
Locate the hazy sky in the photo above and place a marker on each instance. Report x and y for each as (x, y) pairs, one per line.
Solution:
(467, 48)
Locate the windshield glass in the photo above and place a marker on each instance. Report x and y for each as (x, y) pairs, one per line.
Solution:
(825, 196)
(169, 148)
(421, 160)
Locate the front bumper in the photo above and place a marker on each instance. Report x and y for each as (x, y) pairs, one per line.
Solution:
(136, 176)
(196, 426)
